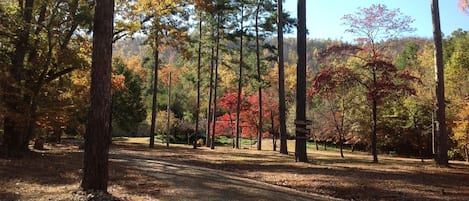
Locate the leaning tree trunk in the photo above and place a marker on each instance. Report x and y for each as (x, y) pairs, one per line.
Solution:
(300, 142)
(442, 137)
(281, 81)
(98, 132)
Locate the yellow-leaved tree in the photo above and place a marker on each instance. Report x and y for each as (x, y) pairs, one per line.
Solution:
(461, 130)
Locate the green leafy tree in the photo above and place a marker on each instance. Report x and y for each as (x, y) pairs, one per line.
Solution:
(128, 109)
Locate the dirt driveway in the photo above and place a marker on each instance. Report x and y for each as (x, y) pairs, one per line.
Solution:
(186, 182)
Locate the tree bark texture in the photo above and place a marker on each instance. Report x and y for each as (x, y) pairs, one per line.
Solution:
(98, 132)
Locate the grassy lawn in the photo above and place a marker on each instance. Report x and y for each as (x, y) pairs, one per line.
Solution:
(54, 174)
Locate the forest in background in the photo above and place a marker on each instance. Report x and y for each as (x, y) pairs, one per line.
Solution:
(407, 120)
(51, 95)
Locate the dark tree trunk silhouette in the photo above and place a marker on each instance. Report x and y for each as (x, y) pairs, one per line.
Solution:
(281, 81)
(240, 80)
(259, 78)
(15, 139)
(374, 108)
(168, 111)
(217, 54)
(210, 96)
(300, 142)
(98, 132)
(197, 111)
(154, 104)
(442, 137)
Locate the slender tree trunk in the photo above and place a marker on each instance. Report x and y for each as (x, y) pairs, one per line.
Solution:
(281, 81)
(274, 133)
(300, 142)
(168, 111)
(316, 142)
(199, 63)
(232, 132)
(155, 92)
(259, 78)
(240, 80)
(374, 104)
(98, 132)
(209, 109)
(466, 150)
(217, 54)
(442, 137)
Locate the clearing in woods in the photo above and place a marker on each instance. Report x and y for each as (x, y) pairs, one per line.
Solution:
(182, 173)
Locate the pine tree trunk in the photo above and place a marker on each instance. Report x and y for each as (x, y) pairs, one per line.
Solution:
(217, 58)
(259, 78)
(442, 137)
(168, 111)
(154, 104)
(199, 63)
(98, 132)
(210, 95)
(281, 81)
(300, 142)
(240, 80)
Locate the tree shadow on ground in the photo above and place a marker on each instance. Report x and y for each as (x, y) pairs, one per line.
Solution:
(9, 196)
(363, 181)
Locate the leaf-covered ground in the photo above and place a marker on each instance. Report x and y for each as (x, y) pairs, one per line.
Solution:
(54, 174)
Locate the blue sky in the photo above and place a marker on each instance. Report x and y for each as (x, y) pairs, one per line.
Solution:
(324, 16)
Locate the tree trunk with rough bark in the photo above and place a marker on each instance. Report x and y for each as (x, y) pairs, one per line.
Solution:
(98, 132)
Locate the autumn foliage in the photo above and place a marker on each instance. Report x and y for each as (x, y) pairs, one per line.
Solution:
(249, 115)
